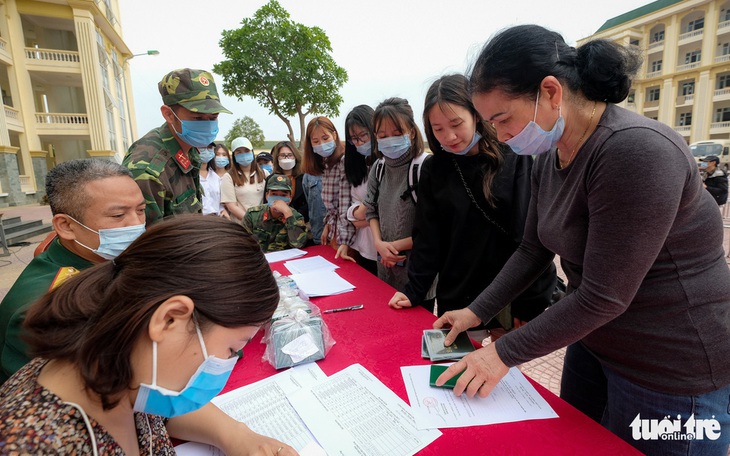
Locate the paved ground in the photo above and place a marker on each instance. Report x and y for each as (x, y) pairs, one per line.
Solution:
(545, 370)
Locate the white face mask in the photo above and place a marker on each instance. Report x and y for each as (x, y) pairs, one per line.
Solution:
(287, 163)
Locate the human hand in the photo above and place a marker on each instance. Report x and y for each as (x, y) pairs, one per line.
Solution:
(343, 251)
(282, 208)
(399, 301)
(459, 321)
(325, 235)
(359, 213)
(388, 253)
(483, 369)
(245, 442)
(224, 213)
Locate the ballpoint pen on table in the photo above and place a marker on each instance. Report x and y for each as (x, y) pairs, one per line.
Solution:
(340, 309)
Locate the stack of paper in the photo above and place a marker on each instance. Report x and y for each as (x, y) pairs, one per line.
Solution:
(317, 277)
(433, 347)
(281, 255)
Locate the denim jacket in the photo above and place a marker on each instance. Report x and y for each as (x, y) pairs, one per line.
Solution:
(313, 192)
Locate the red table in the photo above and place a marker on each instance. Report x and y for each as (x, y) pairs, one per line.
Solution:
(382, 340)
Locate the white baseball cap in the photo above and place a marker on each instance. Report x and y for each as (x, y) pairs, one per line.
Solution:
(241, 142)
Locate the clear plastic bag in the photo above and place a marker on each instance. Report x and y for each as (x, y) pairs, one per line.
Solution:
(297, 334)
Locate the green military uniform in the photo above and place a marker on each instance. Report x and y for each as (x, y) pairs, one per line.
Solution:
(272, 233)
(166, 174)
(45, 272)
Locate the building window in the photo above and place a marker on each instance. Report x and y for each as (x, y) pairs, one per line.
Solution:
(725, 16)
(653, 117)
(634, 43)
(725, 49)
(685, 119)
(723, 81)
(697, 24)
(692, 57)
(722, 115)
(653, 94)
(688, 88)
(657, 36)
(631, 98)
(656, 65)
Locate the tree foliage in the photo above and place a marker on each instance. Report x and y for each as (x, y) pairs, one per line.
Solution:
(247, 127)
(286, 66)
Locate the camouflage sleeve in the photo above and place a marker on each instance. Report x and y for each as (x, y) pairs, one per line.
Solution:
(247, 222)
(296, 229)
(152, 187)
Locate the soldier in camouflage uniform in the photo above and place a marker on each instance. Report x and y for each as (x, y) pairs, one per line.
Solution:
(165, 162)
(276, 225)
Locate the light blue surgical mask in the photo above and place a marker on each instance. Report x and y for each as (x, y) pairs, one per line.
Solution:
(204, 385)
(244, 159)
(206, 154)
(533, 140)
(394, 146)
(221, 162)
(269, 168)
(365, 149)
(197, 133)
(112, 241)
(325, 149)
(273, 198)
(473, 142)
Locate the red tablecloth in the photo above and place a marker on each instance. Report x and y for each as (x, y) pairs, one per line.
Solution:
(382, 340)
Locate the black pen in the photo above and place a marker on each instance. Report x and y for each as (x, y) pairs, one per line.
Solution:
(340, 309)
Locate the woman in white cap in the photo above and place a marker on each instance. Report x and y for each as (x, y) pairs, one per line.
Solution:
(243, 186)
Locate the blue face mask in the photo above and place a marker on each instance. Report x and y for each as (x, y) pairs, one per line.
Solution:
(269, 168)
(204, 385)
(112, 241)
(273, 198)
(533, 140)
(364, 149)
(206, 154)
(198, 133)
(324, 149)
(221, 162)
(473, 142)
(244, 159)
(395, 146)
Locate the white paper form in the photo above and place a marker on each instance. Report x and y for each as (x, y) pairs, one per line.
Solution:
(264, 407)
(321, 283)
(513, 399)
(311, 264)
(281, 255)
(353, 413)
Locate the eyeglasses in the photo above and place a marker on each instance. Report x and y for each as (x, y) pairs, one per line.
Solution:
(361, 138)
(286, 156)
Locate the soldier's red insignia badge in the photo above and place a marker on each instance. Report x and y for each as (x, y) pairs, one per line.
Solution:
(182, 159)
(204, 81)
(279, 178)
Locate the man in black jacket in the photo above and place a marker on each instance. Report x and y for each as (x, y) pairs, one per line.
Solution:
(715, 179)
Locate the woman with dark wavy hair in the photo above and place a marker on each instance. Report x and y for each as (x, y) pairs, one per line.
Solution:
(129, 352)
(619, 198)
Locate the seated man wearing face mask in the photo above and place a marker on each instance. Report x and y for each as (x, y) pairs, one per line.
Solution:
(165, 162)
(98, 210)
(276, 225)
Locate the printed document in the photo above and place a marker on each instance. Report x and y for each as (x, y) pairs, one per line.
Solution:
(281, 255)
(264, 407)
(321, 282)
(513, 399)
(354, 413)
(315, 263)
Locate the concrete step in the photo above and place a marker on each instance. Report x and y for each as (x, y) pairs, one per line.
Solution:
(18, 226)
(11, 220)
(17, 230)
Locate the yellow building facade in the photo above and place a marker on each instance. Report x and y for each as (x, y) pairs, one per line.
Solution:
(685, 78)
(66, 90)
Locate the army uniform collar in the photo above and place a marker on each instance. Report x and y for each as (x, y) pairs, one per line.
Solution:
(186, 162)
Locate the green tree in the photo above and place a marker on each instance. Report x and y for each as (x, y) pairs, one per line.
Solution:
(286, 66)
(247, 127)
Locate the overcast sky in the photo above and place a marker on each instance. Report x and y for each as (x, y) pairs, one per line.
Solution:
(388, 47)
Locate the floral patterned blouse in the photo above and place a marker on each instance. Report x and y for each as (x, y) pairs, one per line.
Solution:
(33, 420)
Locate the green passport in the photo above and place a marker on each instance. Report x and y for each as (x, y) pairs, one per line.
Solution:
(437, 370)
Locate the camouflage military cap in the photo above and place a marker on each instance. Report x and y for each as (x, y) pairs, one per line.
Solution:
(278, 182)
(192, 89)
